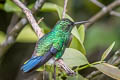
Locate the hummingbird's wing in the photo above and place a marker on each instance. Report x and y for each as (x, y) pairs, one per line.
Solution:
(37, 61)
(56, 47)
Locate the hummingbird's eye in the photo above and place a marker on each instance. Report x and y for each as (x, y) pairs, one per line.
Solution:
(69, 25)
(72, 23)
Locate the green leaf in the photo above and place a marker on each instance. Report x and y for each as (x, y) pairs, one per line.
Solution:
(75, 44)
(73, 57)
(27, 35)
(2, 37)
(45, 27)
(107, 51)
(1, 6)
(51, 7)
(11, 7)
(109, 70)
(48, 68)
(40, 68)
(48, 7)
(81, 31)
(76, 34)
(77, 77)
(60, 10)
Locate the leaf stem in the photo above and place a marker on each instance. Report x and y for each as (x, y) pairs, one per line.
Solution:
(89, 65)
(64, 10)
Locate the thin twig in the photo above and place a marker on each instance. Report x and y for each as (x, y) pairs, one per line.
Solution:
(30, 18)
(40, 20)
(54, 73)
(64, 10)
(12, 35)
(115, 61)
(98, 3)
(114, 13)
(102, 13)
(93, 74)
(44, 72)
(13, 21)
(38, 5)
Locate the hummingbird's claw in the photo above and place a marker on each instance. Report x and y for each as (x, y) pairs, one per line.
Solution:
(62, 65)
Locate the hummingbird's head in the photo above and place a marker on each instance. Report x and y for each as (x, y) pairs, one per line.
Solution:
(66, 24)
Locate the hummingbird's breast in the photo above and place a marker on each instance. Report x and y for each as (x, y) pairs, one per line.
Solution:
(46, 42)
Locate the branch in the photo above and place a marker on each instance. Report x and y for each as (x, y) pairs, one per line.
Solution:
(38, 5)
(102, 13)
(54, 73)
(64, 10)
(95, 18)
(63, 66)
(13, 21)
(114, 60)
(98, 3)
(114, 13)
(12, 35)
(30, 18)
(40, 20)
(93, 74)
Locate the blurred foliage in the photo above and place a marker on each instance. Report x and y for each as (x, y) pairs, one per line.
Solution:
(2, 37)
(109, 70)
(73, 57)
(105, 54)
(11, 7)
(99, 35)
(27, 35)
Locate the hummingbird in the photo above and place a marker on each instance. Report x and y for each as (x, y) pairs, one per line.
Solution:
(53, 44)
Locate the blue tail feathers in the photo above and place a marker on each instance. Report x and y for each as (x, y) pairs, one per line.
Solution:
(30, 64)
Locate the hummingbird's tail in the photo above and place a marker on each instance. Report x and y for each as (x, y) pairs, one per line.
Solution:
(31, 63)
(37, 61)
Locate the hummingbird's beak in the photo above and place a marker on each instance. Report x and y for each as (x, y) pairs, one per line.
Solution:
(81, 22)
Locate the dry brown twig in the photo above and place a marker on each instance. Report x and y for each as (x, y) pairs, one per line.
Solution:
(114, 60)
(114, 13)
(99, 15)
(103, 12)
(13, 21)
(40, 20)
(12, 35)
(64, 9)
(30, 18)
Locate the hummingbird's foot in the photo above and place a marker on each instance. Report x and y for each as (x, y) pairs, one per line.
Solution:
(63, 66)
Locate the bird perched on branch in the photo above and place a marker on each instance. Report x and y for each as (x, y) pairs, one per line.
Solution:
(51, 45)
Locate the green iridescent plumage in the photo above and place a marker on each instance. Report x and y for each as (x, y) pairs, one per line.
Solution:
(51, 45)
(57, 38)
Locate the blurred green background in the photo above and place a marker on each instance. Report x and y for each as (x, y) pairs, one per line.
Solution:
(97, 38)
